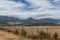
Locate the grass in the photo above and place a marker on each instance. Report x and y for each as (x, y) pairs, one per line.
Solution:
(10, 38)
(41, 35)
(2, 35)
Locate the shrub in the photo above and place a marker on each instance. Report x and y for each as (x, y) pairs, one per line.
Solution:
(48, 36)
(44, 35)
(23, 33)
(32, 36)
(55, 36)
(8, 30)
(16, 32)
(1, 28)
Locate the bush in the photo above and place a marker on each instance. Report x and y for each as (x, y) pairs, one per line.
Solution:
(32, 36)
(55, 36)
(23, 33)
(44, 35)
(1, 28)
(16, 32)
(48, 36)
(8, 30)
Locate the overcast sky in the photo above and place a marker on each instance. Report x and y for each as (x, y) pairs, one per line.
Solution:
(25, 9)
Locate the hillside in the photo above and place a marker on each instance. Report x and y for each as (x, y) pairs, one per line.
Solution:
(6, 19)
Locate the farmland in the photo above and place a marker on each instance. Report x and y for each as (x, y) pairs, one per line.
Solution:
(34, 29)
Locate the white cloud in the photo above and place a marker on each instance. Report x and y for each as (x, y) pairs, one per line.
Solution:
(8, 7)
(42, 9)
(56, 0)
(39, 3)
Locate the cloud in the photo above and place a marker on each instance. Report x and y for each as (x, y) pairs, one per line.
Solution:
(56, 3)
(30, 9)
(56, 0)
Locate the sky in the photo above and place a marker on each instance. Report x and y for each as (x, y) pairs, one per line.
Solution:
(36, 9)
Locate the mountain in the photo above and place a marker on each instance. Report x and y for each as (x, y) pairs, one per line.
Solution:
(43, 20)
(6, 19)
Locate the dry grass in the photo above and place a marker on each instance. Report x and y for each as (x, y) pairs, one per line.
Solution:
(29, 29)
(9, 36)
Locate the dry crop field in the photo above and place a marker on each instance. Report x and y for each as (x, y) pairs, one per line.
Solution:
(29, 29)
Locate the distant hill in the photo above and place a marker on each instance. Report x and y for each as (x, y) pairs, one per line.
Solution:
(6, 19)
(43, 20)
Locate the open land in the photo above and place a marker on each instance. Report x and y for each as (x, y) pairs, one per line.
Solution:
(29, 30)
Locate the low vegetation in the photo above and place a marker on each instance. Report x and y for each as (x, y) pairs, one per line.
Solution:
(42, 24)
(55, 36)
(23, 32)
(41, 35)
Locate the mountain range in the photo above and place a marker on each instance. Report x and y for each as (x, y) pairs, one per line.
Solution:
(6, 19)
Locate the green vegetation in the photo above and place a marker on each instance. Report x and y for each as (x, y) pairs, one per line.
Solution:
(55, 36)
(42, 35)
(42, 24)
(23, 32)
(33, 24)
(16, 32)
(32, 36)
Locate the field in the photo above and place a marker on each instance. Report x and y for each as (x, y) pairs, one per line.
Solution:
(7, 36)
(33, 29)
